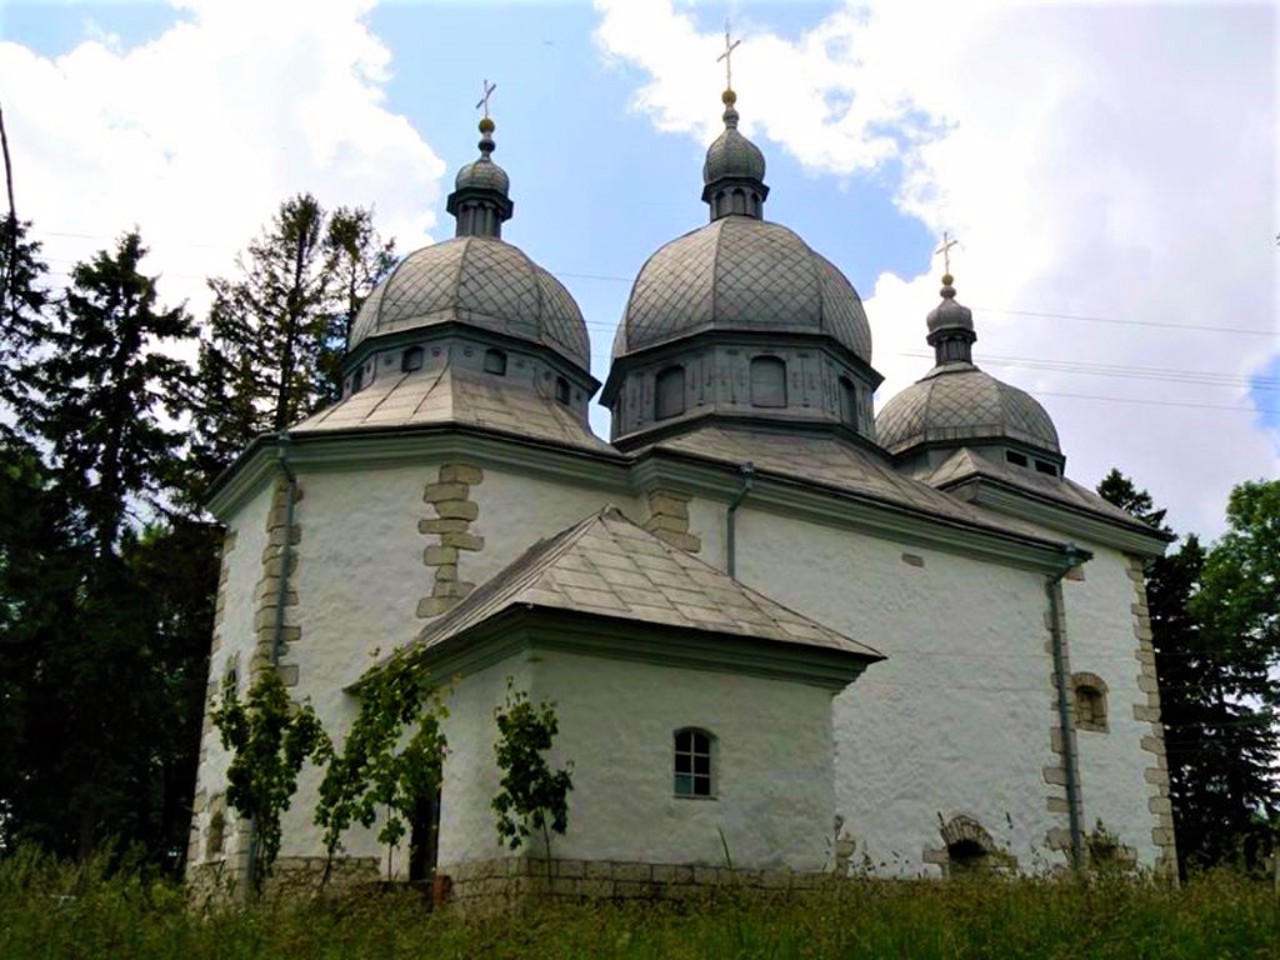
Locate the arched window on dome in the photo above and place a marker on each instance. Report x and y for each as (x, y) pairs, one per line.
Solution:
(562, 390)
(848, 402)
(668, 393)
(738, 202)
(495, 361)
(411, 360)
(768, 382)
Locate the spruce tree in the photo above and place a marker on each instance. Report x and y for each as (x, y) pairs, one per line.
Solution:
(276, 334)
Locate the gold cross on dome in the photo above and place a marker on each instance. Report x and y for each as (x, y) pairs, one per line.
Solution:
(948, 242)
(484, 101)
(729, 46)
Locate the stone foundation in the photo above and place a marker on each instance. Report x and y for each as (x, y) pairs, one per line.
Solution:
(492, 884)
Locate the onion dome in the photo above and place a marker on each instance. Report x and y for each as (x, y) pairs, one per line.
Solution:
(746, 275)
(476, 278)
(955, 403)
(731, 154)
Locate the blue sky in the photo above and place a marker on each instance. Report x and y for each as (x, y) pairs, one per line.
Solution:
(1110, 170)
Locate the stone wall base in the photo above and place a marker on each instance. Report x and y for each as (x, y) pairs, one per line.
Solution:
(495, 884)
(222, 882)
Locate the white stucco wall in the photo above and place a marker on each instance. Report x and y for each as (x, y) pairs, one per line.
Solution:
(957, 720)
(360, 576)
(244, 570)
(771, 762)
(1100, 640)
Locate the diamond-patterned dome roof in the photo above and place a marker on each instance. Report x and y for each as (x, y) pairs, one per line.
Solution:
(957, 402)
(481, 281)
(739, 273)
(482, 174)
(732, 155)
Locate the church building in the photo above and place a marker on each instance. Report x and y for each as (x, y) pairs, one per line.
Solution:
(785, 635)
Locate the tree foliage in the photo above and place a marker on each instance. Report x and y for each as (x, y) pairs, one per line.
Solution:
(377, 772)
(277, 332)
(269, 738)
(532, 796)
(1213, 621)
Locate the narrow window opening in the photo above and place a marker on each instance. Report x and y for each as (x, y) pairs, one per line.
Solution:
(768, 382)
(411, 360)
(1043, 466)
(495, 361)
(1017, 459)
(357, 380)
(669, 393)
(562, 390)
(693, 764)
(848, 402)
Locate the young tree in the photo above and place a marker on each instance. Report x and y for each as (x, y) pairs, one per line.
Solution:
(532, 795)
(269, 737)
(23, 321)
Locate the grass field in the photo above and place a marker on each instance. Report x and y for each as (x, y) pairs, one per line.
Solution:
(49, 910)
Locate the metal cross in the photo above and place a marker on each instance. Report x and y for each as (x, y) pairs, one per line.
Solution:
(484, 101)
(948, 242)
(729, 47)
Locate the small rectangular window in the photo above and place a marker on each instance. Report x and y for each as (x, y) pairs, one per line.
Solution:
(693, 764)
(1043, 466)
(1017, 459)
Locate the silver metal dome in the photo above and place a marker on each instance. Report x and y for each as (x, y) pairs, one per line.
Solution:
(482, 174)
(481, 281)
(742, 274)
(959, 402)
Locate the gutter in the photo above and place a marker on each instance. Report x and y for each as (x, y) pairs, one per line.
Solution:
(748, 472)
(1073, 557)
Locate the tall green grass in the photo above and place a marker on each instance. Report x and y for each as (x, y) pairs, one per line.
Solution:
(51, 910)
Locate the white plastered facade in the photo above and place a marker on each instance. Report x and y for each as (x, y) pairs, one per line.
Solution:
(959, 720)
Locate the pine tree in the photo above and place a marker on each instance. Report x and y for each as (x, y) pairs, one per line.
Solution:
(22, 313)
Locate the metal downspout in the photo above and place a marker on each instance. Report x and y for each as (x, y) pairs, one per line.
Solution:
(1057, 633)
(286, 548)
(748, 471)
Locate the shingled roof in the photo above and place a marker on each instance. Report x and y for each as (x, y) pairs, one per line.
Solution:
(608, 566)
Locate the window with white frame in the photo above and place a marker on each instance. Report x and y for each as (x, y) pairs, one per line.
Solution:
(693, 777)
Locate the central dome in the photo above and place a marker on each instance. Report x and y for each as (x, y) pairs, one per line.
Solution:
(741, 274)
(481, 281)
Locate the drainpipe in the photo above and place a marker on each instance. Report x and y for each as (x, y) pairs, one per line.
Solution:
(286, 548)
(1057, 633)
(748, 471)
(282, 594)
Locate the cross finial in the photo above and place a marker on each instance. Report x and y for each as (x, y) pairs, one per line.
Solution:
(484, 101)
(948, 242)
(729, 46)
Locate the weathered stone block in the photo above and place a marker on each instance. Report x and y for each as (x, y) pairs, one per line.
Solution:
(462, 541)
(681, 541)
(632, 872)
(461, 473)
(1055, 776)
(436, 492)
(599, 889)
(288, 673)
(669, 503)
(571, 868)
(435, 556)
(433, 606)
(458, 509)
(634, 890)
(707, 876)
(438, 525)
(452, 589)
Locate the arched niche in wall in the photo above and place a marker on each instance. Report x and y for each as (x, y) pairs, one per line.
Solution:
(768, 382)
(668, 393)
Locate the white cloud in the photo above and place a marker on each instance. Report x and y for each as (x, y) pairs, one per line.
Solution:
(1115, 162)
(197, 135)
